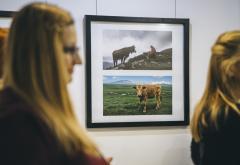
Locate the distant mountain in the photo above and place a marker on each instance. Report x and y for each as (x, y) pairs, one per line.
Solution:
(107, 65)
(165, 84)
(122, 82)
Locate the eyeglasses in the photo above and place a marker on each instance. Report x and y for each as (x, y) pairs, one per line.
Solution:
(71, 49)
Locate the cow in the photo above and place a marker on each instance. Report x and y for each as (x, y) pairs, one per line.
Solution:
(148, 91)
(122, 54)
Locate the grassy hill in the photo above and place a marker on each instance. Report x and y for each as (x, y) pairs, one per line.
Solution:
(121, 99)
(163, 61)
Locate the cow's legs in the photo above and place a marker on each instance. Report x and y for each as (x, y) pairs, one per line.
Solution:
(158, 101)
(145, 105)
(121, 60)
(124, 59)
(115, 62)
(140, 105)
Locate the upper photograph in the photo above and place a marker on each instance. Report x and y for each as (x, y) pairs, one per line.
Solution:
(137, 50)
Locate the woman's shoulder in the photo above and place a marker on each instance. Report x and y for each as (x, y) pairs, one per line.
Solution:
(28, 139)
(13, 108)
(224, 116)
(88, 159)
(226, 123)
(21, 132)
(16, 114)
(9, 99)
(232, 121)
(16, 117)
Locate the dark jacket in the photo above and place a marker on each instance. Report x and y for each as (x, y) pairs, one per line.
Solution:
(26, 140)
(219, 146)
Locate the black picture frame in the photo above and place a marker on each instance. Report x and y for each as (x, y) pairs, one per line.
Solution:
(105, 36)
(5, 16)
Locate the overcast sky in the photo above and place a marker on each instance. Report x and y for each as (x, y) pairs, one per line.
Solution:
(139, 79)
(117, 39)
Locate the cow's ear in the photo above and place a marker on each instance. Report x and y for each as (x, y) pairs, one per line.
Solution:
(134, 87)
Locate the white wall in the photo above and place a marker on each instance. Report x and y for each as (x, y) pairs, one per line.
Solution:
(208, 19)
(13, 4)
(151, 145)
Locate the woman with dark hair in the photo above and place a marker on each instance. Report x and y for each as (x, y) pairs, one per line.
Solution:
(37, 122)
(216, 121)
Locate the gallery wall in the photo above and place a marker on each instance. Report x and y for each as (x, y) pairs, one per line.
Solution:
(150, 145)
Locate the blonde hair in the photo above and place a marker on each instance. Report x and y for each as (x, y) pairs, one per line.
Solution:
(222, 84)
(3, 37)
(35, 69)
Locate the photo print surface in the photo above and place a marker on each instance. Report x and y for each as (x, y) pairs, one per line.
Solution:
(137, 50)
(137, 95)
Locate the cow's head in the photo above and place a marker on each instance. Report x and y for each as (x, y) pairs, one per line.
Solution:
(139, 90)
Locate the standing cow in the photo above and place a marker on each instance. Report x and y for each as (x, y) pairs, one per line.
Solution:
(122, 54)
(148, 91)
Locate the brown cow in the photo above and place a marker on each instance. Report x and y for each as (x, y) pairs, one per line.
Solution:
(148, 91)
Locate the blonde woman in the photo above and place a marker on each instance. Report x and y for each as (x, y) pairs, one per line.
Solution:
(216, 122)
(3, 36)
(37, 122)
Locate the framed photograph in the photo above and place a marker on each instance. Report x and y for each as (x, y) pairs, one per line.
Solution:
(137, 71)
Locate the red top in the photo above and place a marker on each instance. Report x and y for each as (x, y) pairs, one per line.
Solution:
(25, 140)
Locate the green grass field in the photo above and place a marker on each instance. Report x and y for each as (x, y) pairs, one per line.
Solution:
(122, 100)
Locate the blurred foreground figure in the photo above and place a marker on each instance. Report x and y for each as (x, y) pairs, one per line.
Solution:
(3, 36)
(37, 122)
(216, 120)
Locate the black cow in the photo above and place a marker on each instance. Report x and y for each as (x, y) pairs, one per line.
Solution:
(122, 54)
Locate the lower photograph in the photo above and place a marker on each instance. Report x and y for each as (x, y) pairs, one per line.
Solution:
(128, 101)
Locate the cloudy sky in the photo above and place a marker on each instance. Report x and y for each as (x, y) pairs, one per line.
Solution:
(139, 79)
(117, 39)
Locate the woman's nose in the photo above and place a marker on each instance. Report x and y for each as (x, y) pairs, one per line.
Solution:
(77, 59)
